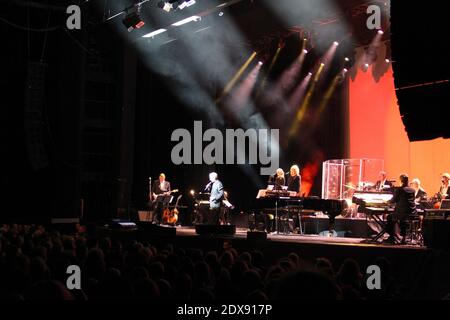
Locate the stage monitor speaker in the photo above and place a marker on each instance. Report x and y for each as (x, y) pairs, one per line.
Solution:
(154, 229)
(256, 235)
(436, 233)
(118, 224)
(208, 229)
(65, 225)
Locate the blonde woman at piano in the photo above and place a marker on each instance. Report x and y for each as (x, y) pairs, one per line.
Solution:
(294, 180)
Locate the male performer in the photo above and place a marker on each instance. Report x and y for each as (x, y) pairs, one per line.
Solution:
(383, 184)
(444, 190)
(216, 196)
(159, 187)
(294, 180)
(404, 206)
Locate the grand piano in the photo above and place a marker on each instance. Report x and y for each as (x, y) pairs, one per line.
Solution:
(285, 200)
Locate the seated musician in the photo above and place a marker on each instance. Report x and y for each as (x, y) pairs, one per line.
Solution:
(404, 207)
(419, 193)
(383, 184)
(444, 190)
(277, 180)
(160, 187)
(294, 180)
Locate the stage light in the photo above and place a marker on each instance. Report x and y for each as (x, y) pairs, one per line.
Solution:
(310, 73)
(322, 64)
(132, 21)
(220, 13)
(192, 192)
(380, 32)
(387, 60)
(346, 59)
(187, 20)
(172, 5)
(154, 33)
(336, 43)
(167, 6)
(366, 65)
(185, 4)
(305, 51)
(260, 63)
(345, 70)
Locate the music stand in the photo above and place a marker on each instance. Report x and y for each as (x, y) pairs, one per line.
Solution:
(164, 200)
(445, 204)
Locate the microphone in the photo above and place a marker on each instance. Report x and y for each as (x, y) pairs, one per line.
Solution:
(207, 186)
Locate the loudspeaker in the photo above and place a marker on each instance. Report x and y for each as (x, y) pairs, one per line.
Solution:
(256, 235)
(153, 229)
(118, 224)
(211, 229)
(436, 233)
(65, 225)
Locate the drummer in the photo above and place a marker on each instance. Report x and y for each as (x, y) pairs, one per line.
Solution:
(383, 184)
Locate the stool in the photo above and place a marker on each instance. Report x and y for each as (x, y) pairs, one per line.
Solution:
(283, 222)
(414, 234)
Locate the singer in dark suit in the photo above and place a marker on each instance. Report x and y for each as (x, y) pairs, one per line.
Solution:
(405, 206)
(215, 198)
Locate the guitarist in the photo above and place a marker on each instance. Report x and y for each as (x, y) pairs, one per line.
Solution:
(160, 187)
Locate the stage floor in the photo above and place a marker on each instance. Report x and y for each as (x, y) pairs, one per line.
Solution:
(241, 233)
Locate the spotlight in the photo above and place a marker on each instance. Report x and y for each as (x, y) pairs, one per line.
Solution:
(192, 192)
(168, 6)
(185, 4)
(175, 4)
(322, 64)
(366, 65)
(305, 51)
(260, 63)
(345, 70)
(220, 13)
(309, 73)
(387, 60)
(132, 21)
(380, 32)
(346, 59)
(336, 43)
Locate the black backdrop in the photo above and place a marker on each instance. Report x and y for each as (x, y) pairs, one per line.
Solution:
(105, 126)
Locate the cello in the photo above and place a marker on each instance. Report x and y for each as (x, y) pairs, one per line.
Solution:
(170, 216)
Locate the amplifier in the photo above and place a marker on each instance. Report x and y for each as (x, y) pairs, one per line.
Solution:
(436, 232)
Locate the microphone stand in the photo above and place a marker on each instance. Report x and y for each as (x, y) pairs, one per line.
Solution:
(150, 197)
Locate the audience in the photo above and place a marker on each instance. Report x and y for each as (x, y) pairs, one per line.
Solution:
(33, 263)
